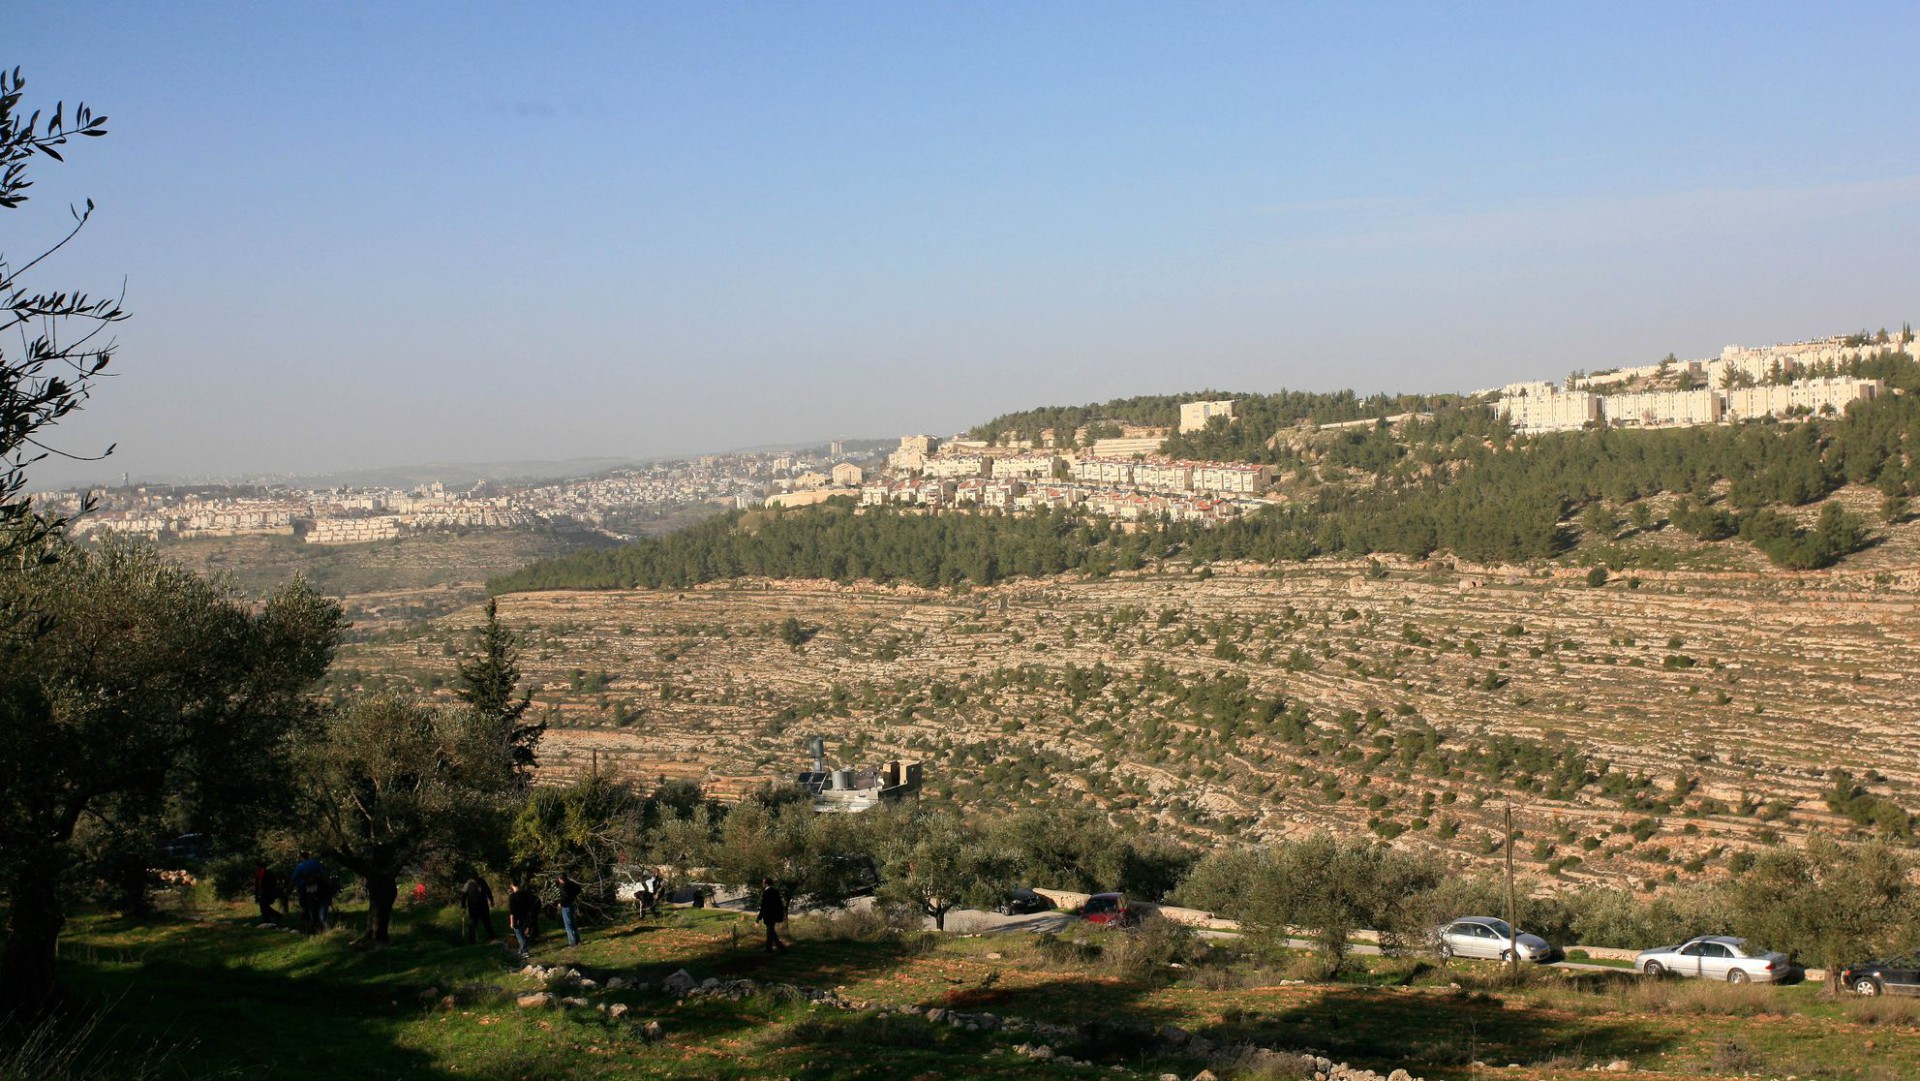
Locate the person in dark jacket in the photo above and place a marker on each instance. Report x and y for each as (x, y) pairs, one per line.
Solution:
(569, 900)
(476, 910)
(313, 891)
(266, 893)
(773, 910)
(522, 906)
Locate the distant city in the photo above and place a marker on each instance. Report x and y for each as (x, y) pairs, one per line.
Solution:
(1121, 476)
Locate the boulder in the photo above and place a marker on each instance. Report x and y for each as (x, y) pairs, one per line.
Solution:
(536, 1000)
(677, 984)
(652, 1030)
(618, 1010)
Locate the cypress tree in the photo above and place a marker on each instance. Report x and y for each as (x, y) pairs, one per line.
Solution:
(488, 681)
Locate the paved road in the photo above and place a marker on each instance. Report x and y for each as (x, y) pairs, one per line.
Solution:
(967, 921)
(970, 921)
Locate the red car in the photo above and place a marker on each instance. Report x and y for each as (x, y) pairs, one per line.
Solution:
(1108, 910)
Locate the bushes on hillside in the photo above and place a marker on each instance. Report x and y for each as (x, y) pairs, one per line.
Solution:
(1325, 887)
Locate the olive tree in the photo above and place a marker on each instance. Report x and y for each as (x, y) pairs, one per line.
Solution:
(585, 829)
(1321, 886)
(1829, 904)
(62, 347)
(933, 862)
(148, 698)
(387, 784)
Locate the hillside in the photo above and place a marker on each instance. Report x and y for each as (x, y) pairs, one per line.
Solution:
(383, 584)
(1650, 728)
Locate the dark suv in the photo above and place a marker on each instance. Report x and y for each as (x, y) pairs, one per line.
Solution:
(1899, 976)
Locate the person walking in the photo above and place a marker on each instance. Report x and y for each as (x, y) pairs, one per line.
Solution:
(649, 895)
(476, 904)
(266, 893)
(569, 900)
(773, 910)
(310, 891)
(329, 889)
(522, 907)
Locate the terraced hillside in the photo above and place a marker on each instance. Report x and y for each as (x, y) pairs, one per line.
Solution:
(1653, 727)
(384, 584)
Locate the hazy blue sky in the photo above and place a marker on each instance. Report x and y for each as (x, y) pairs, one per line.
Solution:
(373, 234)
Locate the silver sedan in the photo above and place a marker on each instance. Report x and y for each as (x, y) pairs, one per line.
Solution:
(1718, 957)
(1491, 938)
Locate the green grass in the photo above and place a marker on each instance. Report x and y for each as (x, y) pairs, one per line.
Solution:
(228, 998)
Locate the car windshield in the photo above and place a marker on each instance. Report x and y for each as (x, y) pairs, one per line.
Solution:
(1102, 904)
(1500, 928)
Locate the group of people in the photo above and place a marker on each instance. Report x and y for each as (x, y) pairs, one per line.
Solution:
(523, 910)
(309, 886)
(312, 888)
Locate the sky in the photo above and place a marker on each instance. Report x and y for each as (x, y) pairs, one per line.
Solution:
(355, 235)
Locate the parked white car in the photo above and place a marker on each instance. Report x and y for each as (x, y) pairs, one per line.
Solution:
(1491, 938)
(1718, 957)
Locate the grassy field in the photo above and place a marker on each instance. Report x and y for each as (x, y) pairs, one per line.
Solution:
(223, 997)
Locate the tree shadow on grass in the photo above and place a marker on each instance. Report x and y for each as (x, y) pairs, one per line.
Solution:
(257, 1001)
(235, 998)
(1438, 1029)
(231, 997)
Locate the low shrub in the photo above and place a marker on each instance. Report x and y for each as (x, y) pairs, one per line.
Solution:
(866, 924)
(1150, 947)
(1261, 1065)
(1883, 1010)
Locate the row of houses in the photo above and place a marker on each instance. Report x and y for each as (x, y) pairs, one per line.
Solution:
(1235, 479)
(1014, 496)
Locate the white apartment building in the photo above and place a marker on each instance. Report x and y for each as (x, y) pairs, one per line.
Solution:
(960, 465)
(912, 453)
(1163, 476)
(1664, 408)
(847, 475)
(1813, 396)
(1751, 365)
(1027, 466)
(1230, 478)
(1128, 446)
(1553, 411)
(353, 530)
(1195, 415)
(1112, 472)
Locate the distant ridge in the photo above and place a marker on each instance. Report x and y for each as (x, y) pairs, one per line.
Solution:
(407, 476)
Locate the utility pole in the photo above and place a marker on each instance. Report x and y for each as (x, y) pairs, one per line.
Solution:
(1513, 927)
